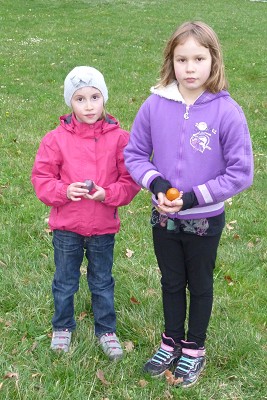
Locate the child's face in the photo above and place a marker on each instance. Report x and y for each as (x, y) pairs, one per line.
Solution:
(192, 66)
(87, 104)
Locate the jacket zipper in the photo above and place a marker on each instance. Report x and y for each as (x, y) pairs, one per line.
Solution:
(186, 117)
(186, 114)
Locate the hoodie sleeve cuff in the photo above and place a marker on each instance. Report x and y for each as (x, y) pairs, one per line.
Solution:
(159, 185)
(189, 200)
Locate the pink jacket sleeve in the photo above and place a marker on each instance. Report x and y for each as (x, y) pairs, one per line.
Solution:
(124, 189)
(45, 176)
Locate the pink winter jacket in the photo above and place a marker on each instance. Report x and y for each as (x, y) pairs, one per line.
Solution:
(77, 151)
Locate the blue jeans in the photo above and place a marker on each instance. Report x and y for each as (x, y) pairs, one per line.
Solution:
(69, 248)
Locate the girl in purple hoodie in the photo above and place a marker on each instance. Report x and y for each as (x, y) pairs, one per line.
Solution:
(191, 135)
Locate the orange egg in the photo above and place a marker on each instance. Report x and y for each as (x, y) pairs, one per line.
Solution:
(172, 194)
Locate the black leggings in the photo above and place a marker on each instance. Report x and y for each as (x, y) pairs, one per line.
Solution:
(186, 261)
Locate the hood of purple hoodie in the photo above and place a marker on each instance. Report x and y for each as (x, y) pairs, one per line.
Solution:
(171, 92)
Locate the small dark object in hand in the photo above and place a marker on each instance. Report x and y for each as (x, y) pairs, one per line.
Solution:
(89, 184)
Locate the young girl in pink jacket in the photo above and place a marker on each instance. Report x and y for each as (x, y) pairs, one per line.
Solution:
(79, 172)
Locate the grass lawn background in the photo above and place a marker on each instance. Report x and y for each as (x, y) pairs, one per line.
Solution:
(41, 41)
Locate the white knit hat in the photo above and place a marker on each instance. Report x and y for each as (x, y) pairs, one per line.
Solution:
(81, 77)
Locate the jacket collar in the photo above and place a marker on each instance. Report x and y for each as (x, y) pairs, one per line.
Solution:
(169, 92)
(70, 123)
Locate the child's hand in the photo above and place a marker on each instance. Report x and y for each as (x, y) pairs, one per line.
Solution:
(167, 206)
(99, 194)
(76, 191)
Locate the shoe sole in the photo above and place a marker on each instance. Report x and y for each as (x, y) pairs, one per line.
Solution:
(116, 357)
(172, 366)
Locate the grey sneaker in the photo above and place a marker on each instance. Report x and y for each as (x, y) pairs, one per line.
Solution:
(61, 340)
(111, 346)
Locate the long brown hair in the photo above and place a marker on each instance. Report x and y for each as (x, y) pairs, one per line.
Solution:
(206, 37)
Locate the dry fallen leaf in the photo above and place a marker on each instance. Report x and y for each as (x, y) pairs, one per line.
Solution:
(82, 315)
(11, 375)
(151, 292)
(101, 377)
(230, 227)
(2, 264)
(169, 376)
(33, 347)
(142, 383)
(129, 346)
(1, 385)
(232, 377)
(129, 253)
(134, 300)
(7, 323)
(177, 381)
(229, 280)
(171, 379)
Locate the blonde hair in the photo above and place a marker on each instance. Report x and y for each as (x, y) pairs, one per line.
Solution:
(206, 37)
(104, 113)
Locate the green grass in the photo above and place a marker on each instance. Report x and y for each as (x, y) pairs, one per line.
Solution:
(41, 40)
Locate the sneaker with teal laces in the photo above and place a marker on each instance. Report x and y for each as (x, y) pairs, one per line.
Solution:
(165, 357)
(190, 365)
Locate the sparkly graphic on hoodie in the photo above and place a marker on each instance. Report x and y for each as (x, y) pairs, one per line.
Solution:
(200, 141)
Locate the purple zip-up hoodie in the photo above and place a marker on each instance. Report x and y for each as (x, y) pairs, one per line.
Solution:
(204, 147)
